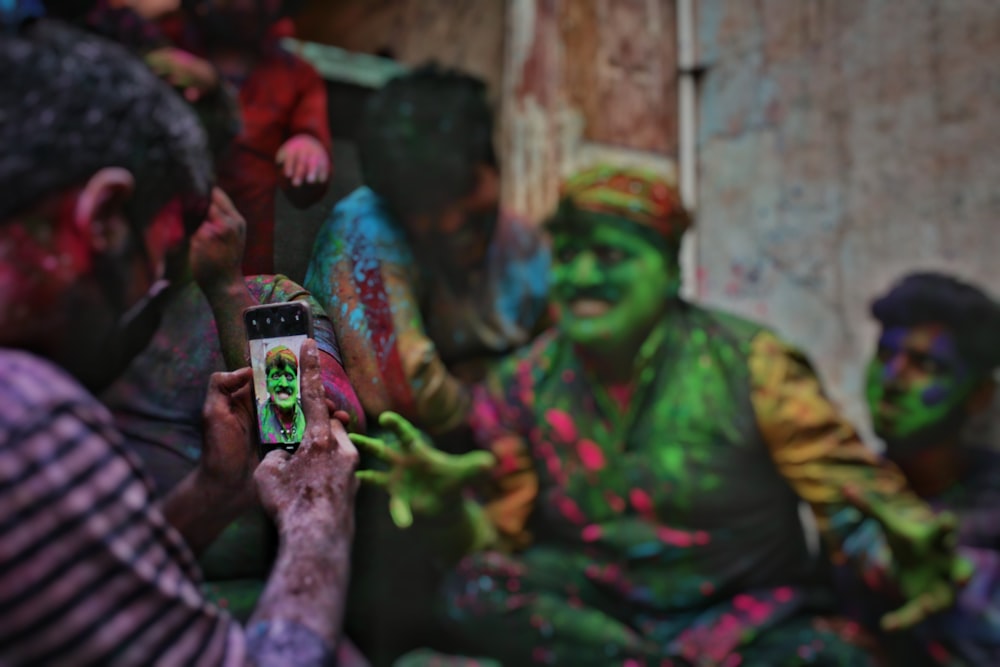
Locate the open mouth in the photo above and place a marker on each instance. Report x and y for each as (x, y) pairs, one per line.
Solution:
(589, 307)
(282, 395)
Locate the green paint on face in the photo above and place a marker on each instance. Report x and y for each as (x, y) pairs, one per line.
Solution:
(283, 387)
(917, 387)
(610, 283)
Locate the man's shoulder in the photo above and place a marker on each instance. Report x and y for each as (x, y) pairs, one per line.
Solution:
(722, 323)
(360, 225)
(276, 288)
(42, 406)
(30, 384)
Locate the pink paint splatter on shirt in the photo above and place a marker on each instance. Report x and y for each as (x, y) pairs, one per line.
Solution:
(562, 425)
(675, 538)
(783, 594)
(570, 510)
(590, 455)
(641, 501)
(591, 533)
(615, 502)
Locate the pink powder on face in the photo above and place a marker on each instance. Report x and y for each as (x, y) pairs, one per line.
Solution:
(562, 425)
(591, 533)
(590, 455)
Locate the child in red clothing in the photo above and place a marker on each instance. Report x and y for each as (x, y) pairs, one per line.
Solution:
(285, 139)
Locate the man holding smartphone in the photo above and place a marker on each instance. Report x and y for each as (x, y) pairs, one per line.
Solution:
(105, 175)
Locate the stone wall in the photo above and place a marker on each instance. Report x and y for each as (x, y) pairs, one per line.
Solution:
(842, 143)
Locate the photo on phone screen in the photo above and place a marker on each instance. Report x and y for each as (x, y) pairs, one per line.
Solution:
(275, 335)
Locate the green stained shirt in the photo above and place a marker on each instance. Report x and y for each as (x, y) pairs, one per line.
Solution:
(691, 494)
(273, 432)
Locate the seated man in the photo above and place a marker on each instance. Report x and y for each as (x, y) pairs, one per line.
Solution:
(931, 374)
(105, 174)
(423, 294)
(667, 448)
(417, 271)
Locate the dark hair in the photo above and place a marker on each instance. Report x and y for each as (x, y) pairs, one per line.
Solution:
(422, 137)
(935, 298)
(73, 103)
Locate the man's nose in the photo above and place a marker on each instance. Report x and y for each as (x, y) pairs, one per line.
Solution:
(585, 272)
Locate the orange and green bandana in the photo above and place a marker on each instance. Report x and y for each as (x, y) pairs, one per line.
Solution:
(633, 193)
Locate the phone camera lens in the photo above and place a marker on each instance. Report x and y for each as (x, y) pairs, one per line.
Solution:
(268, 320)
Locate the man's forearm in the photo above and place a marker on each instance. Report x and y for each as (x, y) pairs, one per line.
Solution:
(306, 592)
(200, 509)
(228, 303)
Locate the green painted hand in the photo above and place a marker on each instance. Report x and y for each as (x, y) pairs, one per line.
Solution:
(420, 479)
(926, 567)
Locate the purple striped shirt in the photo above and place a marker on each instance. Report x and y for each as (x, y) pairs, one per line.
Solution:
(90, 570)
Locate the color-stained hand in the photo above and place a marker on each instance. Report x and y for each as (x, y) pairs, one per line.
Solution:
(217, 247)
(304, 159)
(926, 567)
(229, 453)
(420, 479)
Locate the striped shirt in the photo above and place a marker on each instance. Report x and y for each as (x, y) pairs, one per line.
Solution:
(91, 573)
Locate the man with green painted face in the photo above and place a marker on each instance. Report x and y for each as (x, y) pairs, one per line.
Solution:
(650, 460)
(930, 375)
(281, 417)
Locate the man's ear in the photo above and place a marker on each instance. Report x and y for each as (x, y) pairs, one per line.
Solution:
(981, 397)
(100, 208)
(487, 190)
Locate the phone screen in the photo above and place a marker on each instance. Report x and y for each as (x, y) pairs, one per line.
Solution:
(275, 335)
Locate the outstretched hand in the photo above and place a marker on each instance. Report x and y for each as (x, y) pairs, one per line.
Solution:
(927, 568)
(421, 479)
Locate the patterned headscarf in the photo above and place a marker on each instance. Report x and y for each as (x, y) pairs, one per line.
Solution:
(280, 357)
(633, 193)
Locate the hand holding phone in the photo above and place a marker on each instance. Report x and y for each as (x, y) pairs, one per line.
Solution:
(275, 334)
(313, 490)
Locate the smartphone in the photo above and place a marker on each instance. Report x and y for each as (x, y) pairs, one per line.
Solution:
(275, 334)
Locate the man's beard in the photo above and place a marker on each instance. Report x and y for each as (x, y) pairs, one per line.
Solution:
(452, 261)
(946, 429)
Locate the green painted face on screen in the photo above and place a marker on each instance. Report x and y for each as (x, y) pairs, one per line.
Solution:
(283, 386)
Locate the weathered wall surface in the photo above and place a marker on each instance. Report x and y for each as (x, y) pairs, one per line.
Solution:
(585, 80)
(842, 143)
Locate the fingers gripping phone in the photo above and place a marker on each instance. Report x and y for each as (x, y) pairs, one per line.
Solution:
(275, 334)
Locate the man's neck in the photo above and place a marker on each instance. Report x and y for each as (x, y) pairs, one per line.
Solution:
(934, 470)
(614, 363)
